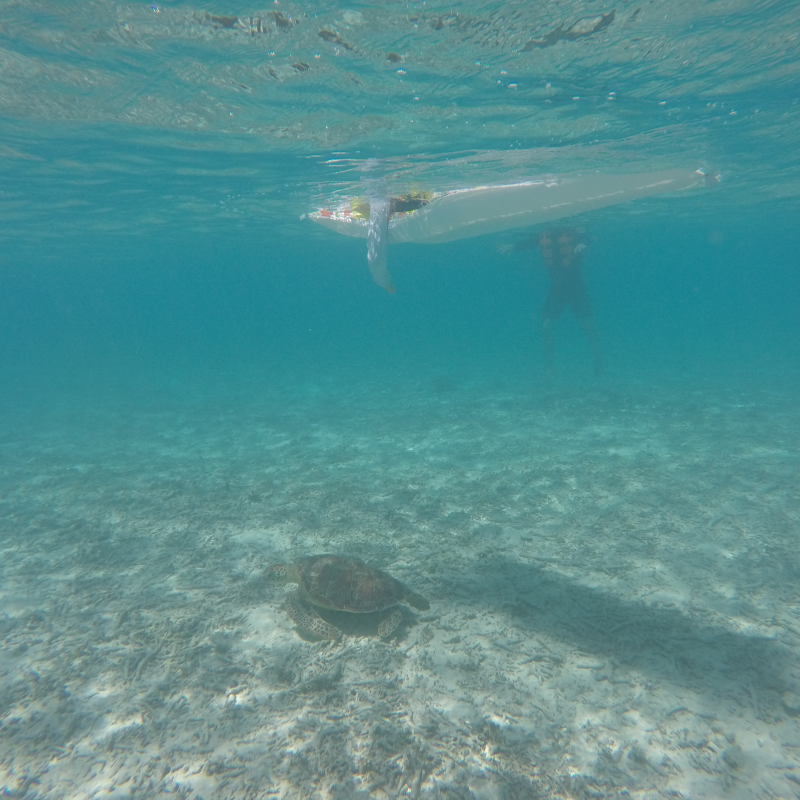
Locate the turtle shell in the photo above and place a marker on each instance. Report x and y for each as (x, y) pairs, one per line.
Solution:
(348, 584)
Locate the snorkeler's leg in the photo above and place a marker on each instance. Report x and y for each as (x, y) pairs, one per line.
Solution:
(553, 307)
(549, 344)
(587, 323)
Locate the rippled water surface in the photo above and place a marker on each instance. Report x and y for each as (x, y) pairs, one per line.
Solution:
(123, 117)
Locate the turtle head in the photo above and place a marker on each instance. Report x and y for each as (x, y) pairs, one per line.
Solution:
(281, 573)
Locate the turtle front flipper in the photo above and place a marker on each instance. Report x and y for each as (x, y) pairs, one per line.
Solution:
(307, 620)
(389, 623)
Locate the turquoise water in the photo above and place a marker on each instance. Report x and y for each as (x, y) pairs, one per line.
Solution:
(198, 382)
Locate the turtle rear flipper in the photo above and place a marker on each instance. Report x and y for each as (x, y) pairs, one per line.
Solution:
(306, 618)
(418, 601)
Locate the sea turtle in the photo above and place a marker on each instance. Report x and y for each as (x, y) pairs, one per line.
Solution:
(341, 583)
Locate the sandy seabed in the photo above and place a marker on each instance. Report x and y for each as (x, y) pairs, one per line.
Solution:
(613, 573)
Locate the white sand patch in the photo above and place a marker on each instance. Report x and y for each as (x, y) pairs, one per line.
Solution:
(606, 621)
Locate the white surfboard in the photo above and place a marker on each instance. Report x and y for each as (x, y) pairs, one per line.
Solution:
(464, 213)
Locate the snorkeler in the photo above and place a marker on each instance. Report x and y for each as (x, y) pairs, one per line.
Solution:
(562, 252)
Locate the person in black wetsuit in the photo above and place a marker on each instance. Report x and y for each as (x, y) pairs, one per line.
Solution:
(562, 253)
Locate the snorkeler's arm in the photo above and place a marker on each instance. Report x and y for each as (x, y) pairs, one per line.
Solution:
(582, 241)
(518, 247)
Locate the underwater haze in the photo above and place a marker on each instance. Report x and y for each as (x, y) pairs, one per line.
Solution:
(197, 382)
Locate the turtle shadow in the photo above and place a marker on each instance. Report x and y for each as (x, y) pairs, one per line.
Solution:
(665, 642)
(359, 626)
